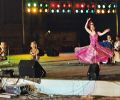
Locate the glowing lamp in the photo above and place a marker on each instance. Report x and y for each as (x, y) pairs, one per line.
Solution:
(57, 10)
(87, 11)
(82, 5)
(28, 10)
(63, 11)
(41, 5)
(40, 10)
(77, 5)
(88, 6)
(34, 10)
(58, 6)
(109, 6)
(81, 11)
(52, 11)
(92, 11)
(98, 6)
(93, 5)
(64, 5)
(34, 4)
(103, 11)
(113, 11)
(46, 10)
(98, 11)
(76, 11)
(108, 11)
(114, 6)
(52, 5)
(28, 4)
(103, 6)
(69, 5)
(46, 5)
(69, 11)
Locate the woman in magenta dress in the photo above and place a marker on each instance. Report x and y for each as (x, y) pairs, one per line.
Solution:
(94, 52)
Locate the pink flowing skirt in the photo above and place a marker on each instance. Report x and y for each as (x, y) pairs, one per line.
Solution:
(91, 54)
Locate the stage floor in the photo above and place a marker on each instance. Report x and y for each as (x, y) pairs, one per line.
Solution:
(64, 66)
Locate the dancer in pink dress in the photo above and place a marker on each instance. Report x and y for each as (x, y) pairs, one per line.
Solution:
(94, 52)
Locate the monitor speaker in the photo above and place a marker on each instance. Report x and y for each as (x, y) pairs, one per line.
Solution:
(31, 69)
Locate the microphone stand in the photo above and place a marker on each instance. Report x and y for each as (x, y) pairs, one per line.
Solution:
(8, 56)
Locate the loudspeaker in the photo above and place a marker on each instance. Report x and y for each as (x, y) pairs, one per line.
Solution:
(31, 69)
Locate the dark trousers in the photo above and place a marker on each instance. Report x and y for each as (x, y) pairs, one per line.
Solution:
(93, 72)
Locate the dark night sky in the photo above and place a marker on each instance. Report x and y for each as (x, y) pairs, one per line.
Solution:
(10, 11)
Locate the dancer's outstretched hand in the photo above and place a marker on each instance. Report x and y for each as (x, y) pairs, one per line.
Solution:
(107, 30)
(88, 19)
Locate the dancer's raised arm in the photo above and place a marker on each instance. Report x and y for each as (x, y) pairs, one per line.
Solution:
(104, 32)
(86, 26)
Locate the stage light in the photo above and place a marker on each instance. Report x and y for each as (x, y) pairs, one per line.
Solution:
(82, 5)
(46, 5)
(63, 11)
(98, 11)
(52, 11)
(108, 11)
(34, 4)
(88, 6)
(114, 6)
(81, 11)
(103, 6)
(29, 4)
(113, 11)
(93, 5)
(57, 10)
(64, 5)
(40, 10)
(69, 5)
(46, 10)
(109, 6)
(69, 11)
(58, 6)
(28, 10)
(52, 5)
(76, 11)
(92, 11)
(98, 6)
(103, 11)
(87, 11)
(77, 5)
(41, 5)
(34, 10)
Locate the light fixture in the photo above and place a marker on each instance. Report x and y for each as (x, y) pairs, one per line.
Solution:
(76, 11)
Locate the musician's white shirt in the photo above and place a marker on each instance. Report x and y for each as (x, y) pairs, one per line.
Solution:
(117, 45)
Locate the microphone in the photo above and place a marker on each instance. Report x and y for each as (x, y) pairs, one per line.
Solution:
(48, 31)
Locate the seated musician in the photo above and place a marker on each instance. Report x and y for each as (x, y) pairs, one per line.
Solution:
(3, 51)
(117, 44)
(116, 57)
(107, 43)
(34, 51)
